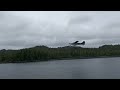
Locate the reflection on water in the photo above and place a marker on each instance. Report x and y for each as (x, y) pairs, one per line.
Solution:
(98, 68)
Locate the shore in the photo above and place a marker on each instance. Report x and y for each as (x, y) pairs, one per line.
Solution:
(43, 53)
(47, 60)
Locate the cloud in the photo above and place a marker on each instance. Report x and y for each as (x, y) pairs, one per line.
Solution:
(110, 31)
(79, 20)
(27, 29)
(112, 25)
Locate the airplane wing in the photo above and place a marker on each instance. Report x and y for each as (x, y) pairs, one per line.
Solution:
(76, 41)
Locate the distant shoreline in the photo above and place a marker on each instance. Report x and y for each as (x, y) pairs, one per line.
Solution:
(59, 59)
(83, 58)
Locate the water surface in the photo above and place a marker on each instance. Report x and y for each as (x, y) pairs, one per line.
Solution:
(97, 68)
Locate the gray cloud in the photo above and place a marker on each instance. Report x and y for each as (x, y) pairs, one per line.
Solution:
(80, 20)
(110, 31)
(27, 29)
(113, 25)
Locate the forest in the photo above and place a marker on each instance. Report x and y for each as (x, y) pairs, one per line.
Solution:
(44, 53)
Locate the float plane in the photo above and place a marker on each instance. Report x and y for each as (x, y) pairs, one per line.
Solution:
(76, 43)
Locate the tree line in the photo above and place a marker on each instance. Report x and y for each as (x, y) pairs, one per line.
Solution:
(43, 53)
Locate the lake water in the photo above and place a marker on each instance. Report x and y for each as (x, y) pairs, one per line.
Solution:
(97, 68)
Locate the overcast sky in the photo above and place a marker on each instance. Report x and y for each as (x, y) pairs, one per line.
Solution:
(21, 29)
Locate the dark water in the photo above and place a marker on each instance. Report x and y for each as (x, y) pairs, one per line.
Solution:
(98, 68)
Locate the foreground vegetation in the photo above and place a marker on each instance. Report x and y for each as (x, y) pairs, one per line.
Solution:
(42, 53)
